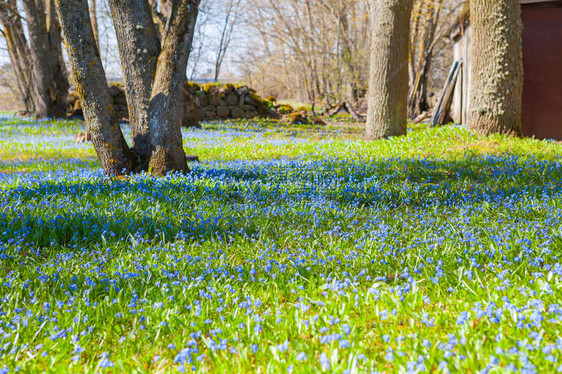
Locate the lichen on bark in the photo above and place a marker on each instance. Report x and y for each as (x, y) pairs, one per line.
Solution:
(497, 67)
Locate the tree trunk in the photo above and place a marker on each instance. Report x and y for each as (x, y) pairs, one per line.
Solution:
(161, 10)
(91, 84)
(497, 67)
(139, 49)
(388, 85)
(49, 73)
(154, 79)
(94, 19)
(164, 114)
(18, 50)
(350, 76)
(58, 67)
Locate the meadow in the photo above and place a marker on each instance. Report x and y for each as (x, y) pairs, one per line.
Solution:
(285, 250)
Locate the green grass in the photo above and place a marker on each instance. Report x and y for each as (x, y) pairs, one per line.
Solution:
(437, 251)
(27, 146)
(296, 104)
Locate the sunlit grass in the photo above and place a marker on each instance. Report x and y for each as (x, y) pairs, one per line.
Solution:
(286, 249)
(27, 146)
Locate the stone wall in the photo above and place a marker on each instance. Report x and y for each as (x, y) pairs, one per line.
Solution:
(207, 102)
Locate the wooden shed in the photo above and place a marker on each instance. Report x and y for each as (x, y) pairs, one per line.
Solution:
(542, 62)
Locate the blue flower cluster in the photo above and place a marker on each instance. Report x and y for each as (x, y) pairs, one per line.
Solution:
(398, 265)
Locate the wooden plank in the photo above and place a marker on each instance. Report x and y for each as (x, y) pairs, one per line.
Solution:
(446, 99)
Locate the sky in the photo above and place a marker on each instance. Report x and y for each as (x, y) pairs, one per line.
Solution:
(110, 54)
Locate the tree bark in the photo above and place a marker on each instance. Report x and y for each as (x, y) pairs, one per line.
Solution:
(231, 18)
(388, 84)
(94, 19)
(164, 113)
(139, 48)
(154, 78)
(497, 67)
(49, 73)
(161, 10)
(91, 84)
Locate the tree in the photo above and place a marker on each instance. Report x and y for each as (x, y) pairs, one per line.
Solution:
(94, 19)
(18, 50)
(154, 72)
(38, 64)
(160, 12)
(497, 67)
(232, 8)
(200, 40)
(310, 50)
(49, 72)
(388, 84)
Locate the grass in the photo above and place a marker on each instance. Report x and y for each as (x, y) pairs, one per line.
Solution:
(296, 104)
(287, 249)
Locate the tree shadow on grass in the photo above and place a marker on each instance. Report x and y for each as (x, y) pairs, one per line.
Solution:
(160, 209)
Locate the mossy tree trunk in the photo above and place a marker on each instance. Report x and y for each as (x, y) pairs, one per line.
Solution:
(91, 85)
(139, 49)
(497, 67)
(154, 76)
(50, 82)
(388, 84)
(165, 115)
(154, 63)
